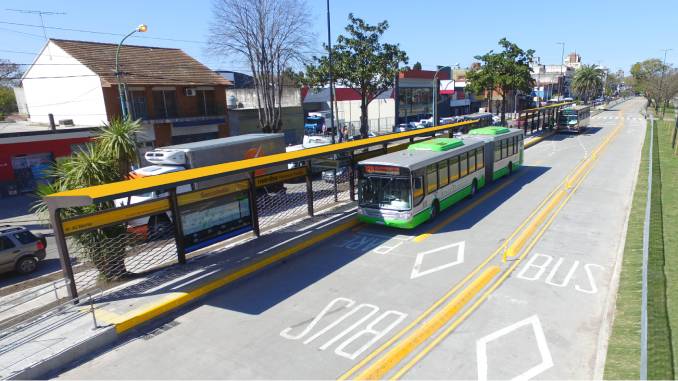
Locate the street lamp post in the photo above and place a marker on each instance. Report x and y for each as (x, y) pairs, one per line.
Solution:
(562, 79)
(661, 81)
(331, 79)
(122, 90)
(435, 94)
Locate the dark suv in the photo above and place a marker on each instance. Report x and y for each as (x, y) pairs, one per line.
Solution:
(20, 250)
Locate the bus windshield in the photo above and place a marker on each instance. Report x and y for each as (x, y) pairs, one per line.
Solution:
(385, 192)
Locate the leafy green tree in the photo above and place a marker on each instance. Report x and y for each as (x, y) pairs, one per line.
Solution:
(505, 72)
(360, 62)
(588, 82)
(655, 80)
(7, 101)
(417, 66)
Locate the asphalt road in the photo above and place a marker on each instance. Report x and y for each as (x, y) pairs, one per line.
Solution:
(321, 312)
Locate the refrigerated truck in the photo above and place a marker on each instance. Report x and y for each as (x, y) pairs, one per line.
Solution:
(201, 154)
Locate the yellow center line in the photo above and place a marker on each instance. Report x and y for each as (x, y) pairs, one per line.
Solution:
(508, 272)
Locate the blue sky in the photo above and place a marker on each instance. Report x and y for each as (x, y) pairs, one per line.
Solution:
(435, 32)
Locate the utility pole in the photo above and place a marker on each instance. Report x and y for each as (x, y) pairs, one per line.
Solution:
(661, 82)
(562, 63)
(331, 79)
(42, 22)
(435, 94)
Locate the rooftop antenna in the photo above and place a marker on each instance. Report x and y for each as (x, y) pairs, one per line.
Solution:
(42, 22)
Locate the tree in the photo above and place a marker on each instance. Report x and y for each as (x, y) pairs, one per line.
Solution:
(655, 80)
(106, 160)
(360, 62)
(417, 66)
(505, 72)
(88, 167)
(588, 82)
(118, 141)
(7, 101)
(10, 73)
(271, 35)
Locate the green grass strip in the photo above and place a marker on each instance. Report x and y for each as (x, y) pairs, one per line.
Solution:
(669, 200)
(659, 346)
(623, 352)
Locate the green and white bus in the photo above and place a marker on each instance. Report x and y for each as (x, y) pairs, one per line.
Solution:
(403, 189)
(574, 119)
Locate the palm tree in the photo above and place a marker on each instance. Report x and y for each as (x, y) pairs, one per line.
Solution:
(587, 81)
(104, 161)
(118, 141)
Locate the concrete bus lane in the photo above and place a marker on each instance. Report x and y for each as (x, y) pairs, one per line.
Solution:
(317, 314)
(551, 318)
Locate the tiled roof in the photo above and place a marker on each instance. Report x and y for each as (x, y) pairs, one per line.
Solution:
(141, 65)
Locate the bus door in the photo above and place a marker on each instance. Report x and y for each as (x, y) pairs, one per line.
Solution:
(489, 161)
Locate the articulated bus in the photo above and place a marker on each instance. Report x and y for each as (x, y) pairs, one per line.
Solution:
(403, 189)
(574, 119)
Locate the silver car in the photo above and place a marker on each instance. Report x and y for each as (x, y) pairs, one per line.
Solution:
(20, 249)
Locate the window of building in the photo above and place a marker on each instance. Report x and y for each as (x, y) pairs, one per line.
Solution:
(431, 178)
(454, 168)
(443, 177)
(165, 103)
(463, 164)
(206, 103)
(480, 160)
(137, 104)
(472, 161)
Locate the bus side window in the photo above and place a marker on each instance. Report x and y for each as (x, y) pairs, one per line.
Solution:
(443, 177)
(432, 178)
(479, 158)
(417, 190)
(472, 161)
(454, 168)
(511, 145)
(463, 164)
(504, 148)
(497, 150)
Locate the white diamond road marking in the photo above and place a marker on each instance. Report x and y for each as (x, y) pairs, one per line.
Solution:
(546, 359)
(459, 258)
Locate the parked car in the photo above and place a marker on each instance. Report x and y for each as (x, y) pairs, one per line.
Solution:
(328, 175)
(20, 249)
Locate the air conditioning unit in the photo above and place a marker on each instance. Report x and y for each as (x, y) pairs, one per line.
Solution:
(189, 92)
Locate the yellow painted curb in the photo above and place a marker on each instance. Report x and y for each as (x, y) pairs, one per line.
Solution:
(174, 300)
(387, 362)
(539, 139)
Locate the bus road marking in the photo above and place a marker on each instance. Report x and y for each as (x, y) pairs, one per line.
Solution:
(362, 318)
(378, 243)
(457, 259)
(542, 346)
(539, 263)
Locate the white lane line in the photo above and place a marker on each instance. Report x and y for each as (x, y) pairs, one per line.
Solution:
(196, 279)
(542, 345)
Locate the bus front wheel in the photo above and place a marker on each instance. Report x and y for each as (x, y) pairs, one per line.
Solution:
(474, 187)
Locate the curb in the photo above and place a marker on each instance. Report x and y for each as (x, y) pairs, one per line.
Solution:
(68, 355)
(539, 138)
